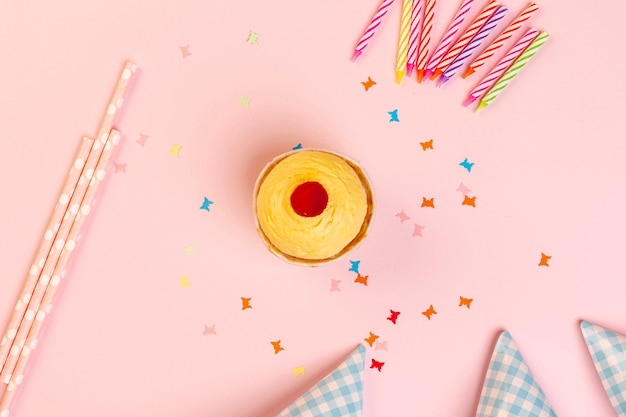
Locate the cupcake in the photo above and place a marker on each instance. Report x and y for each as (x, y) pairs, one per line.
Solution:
(312, 206)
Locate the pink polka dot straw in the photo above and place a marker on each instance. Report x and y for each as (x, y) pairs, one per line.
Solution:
(58, 243)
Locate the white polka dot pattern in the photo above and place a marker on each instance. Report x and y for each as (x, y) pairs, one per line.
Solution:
(43, 296)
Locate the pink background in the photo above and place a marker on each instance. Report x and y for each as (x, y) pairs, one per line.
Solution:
(127, 338)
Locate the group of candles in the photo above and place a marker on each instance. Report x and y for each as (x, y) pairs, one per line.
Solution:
(457, 46)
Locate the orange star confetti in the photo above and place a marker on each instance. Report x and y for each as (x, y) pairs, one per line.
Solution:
(469, 201)
(427, 145)
(299, 371)
(245, 303)
(429, 312)
(277, 347)
(428, 202)
(377, 365)
(544, 259)
(361, 279)
(371, 339)
(369, 83)
(465, 301)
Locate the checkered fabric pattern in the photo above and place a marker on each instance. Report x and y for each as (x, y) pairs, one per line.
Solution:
(339, 394)
(510, 388)
(608, 351)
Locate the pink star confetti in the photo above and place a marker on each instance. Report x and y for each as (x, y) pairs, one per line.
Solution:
(120, 167)
(418, 230)
(142, 139)
(209, 330)
(463, 189)
(381, 345)
(402, 216)
(334, 284)
(185, 51)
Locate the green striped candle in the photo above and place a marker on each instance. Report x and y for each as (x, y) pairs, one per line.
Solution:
(515, 68)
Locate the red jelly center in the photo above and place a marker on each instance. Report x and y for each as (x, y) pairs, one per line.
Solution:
(309, 199)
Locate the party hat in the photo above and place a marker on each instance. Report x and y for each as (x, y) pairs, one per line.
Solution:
(338, 394)
(608, 351)
(510, 388)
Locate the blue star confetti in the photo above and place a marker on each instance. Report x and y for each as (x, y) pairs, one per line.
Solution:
(394, 116)
(467, 165)
(205, 204)
(298, 146)
(354, 266)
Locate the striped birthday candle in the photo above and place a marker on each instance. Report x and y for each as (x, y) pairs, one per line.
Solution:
(416, 32)
(424, 46)
(501, 66)
(403, 42)
(370, 31)
(514, 70)
(448, 37)
(506, 34)
(471, 31)
(473, 45)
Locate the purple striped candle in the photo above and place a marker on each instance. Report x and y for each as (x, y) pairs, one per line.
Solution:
(448, 37)
(473, 45)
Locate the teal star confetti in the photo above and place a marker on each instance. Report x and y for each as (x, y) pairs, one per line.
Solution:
(205, 204)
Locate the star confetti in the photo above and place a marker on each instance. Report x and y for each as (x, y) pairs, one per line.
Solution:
(463, 189)
(175, 150)
(393, 316)
(253, 38)
(209, 330)
(277, 347)
(377, 365)
(429, 312)
(298, 146)
(244, 101)
(428, 202)
(334, 284)
(369, 83)
(544, 259)
(299, 371)
(427, 145)
(185, 51)
(189, 250)
(467, 165)
(465, 301)
(381, 345)
(402, 216)
(142, 139)
(371, 339)
(205, 204)
(469, 201)
(418, 230)
(393, 115)
(245, 303)
(354, 266)
(184, 281)
(120, 167)
(361, 279)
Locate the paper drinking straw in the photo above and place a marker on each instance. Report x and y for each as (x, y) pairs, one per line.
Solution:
(504, 63)
(424, 45)
(513, 27)
(448, 37)
(44, 248)
(403, 42)
(86, 206)
(465, 38)
(515, 69)
(42, 276)
(417, 22)
(370, 31)
(473, 45)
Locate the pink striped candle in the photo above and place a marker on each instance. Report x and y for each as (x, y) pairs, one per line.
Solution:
(506, 61)
(417, 22)
(424, 45)
(448, 37)
(370, 31)
(513, 27)
(471, 31)
(475, 43)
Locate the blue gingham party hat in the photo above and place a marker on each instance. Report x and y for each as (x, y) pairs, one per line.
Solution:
(608, 351)
(338, 394)
(510, 388)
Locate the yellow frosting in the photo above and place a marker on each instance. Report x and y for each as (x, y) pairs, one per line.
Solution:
(322, 236)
